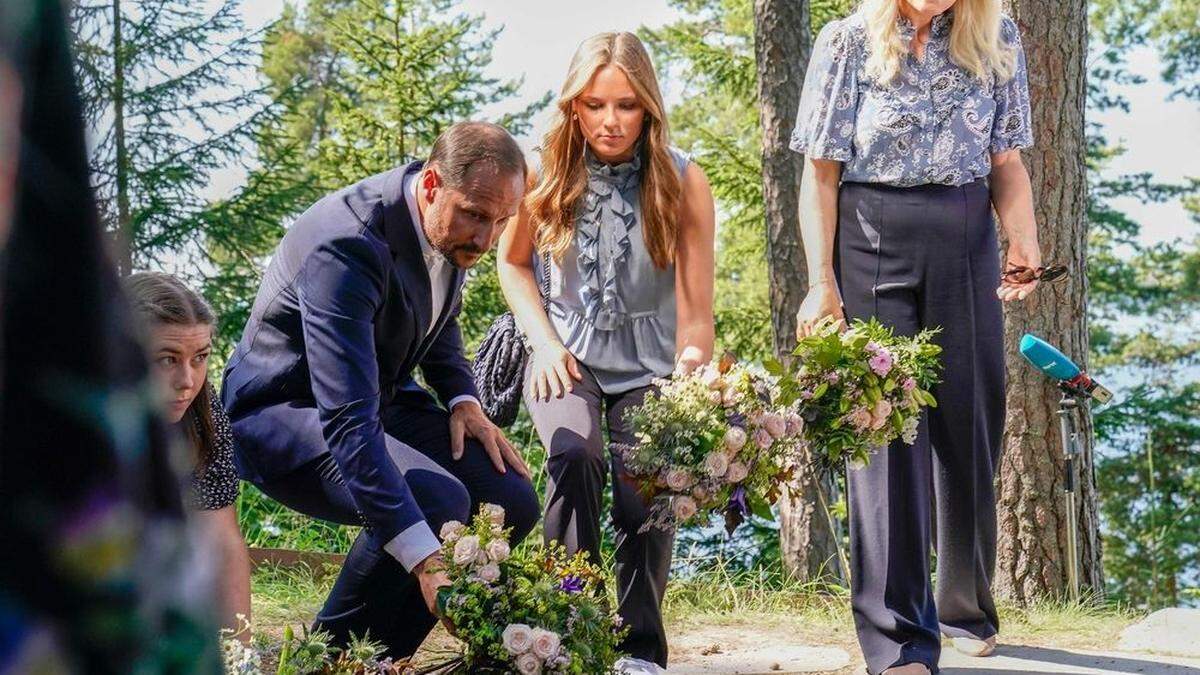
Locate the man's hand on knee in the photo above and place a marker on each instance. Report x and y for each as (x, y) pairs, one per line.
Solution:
(467, 420)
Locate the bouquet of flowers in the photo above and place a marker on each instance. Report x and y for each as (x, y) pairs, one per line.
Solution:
(717, 438)
(860, 389)
(534, 610)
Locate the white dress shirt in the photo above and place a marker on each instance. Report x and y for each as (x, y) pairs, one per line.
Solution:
(441, 274)
(418, 542)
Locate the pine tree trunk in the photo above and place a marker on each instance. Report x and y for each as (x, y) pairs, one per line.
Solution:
(124, 233)
(1032, 551)
(782, 42)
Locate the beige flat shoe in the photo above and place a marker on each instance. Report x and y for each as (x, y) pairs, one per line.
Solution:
(974, 646)
(908, 669)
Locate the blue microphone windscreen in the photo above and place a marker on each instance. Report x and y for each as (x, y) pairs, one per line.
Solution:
(1048, 359)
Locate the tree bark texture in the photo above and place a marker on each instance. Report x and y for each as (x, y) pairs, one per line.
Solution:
(1031, 511)
(124, 233)
(782, 43)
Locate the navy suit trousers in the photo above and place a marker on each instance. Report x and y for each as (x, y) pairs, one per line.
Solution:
(373, 592)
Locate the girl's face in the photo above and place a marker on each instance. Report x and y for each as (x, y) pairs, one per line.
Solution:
(610, 115)
(180, 364)
(927, 7)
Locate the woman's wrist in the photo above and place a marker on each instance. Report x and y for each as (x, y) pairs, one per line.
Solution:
(821, 276)
(544, 344)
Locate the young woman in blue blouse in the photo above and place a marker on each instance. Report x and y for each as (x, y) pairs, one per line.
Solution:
(911, 121)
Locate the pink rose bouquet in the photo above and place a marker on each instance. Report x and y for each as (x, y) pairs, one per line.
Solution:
(859, 389)
(717, 439)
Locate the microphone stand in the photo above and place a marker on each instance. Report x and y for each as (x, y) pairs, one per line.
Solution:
(1072, 401)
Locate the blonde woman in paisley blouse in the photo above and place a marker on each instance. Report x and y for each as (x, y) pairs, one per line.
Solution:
(178, 326)
(627, 224)
(911, 121)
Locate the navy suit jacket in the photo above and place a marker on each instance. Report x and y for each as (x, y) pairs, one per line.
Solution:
(339, 325)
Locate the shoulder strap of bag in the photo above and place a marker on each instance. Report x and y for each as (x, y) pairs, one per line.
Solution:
(544, 286)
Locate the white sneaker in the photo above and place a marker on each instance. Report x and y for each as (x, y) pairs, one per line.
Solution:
(631, 666)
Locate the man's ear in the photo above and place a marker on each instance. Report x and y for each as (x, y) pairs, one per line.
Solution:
(431, 182)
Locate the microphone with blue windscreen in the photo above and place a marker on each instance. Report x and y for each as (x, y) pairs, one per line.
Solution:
(1046, 358)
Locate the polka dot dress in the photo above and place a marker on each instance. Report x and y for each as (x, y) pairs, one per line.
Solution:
(216, 486)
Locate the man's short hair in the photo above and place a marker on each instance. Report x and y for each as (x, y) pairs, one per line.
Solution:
(466, 144)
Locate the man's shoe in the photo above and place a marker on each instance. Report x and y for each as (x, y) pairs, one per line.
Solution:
(631, 666)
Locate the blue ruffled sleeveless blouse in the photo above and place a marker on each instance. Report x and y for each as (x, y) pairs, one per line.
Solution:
(612, 308)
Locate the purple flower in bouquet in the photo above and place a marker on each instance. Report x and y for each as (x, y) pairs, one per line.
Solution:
(571, 584)
(881, 362)
(738, 501)
(832, 377)
(908, 384)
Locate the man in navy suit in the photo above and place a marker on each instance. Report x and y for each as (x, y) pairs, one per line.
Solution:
(364, 289)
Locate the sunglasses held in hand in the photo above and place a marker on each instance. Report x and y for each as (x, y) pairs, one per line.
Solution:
(1019, 274)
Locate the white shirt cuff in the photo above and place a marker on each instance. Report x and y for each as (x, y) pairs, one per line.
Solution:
(413, 545)
(459, 399)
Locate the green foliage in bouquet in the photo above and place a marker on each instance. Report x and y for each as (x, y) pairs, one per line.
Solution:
(535, 610)
(859, 389)
(717, 438)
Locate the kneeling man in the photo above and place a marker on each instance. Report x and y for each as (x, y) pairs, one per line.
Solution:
(365, 288)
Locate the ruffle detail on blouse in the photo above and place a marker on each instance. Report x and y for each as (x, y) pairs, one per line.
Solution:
(606, 216)
(640, 333)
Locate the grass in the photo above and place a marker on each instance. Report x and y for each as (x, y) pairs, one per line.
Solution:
(720, 605)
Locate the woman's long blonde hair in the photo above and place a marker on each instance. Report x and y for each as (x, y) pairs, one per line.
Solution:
(975, 41)
(552, 203)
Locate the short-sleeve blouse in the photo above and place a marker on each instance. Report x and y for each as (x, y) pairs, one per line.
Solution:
(935, 123)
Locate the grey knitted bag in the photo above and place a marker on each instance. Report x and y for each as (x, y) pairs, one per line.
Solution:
(499, 367)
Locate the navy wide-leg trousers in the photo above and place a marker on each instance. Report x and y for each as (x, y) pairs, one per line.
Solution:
(916, 258)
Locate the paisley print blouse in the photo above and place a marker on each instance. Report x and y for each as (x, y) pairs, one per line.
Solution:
(935, 123)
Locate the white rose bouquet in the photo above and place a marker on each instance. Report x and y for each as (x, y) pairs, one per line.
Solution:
(533, 610)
